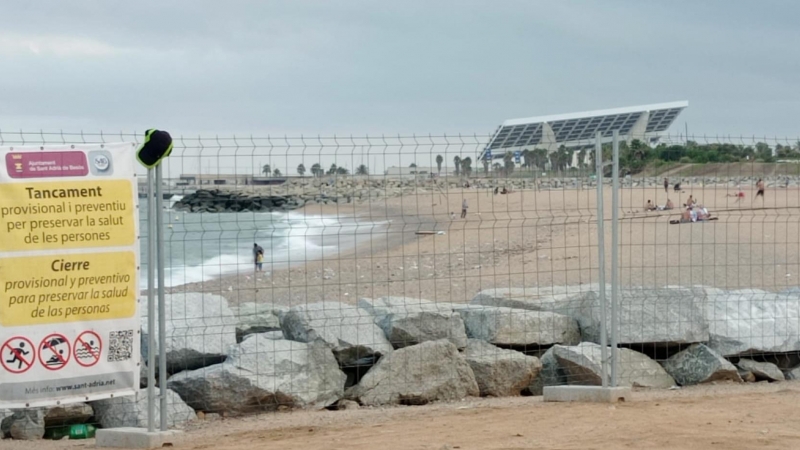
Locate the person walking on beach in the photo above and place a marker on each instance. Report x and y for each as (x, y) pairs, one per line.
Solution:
(666, 185)
(760, 192)
(256, 250)
(464, 207)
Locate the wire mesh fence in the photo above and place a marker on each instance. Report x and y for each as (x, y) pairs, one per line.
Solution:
(310, 272)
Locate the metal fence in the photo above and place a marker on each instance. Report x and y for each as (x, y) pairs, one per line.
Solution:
(403, 270)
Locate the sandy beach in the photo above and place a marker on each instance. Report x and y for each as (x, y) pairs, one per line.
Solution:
(533, 238)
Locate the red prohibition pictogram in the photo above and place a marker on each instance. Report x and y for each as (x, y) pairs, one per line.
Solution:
(87, 348)
(54, 351)
(18, 354)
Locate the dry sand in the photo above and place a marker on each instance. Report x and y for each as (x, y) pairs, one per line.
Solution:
(535, 238)
(725, 416)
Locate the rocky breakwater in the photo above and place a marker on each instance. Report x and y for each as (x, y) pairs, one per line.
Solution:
(218, 201)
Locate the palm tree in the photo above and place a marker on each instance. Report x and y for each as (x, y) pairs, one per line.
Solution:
(439, 161)
(413, 165)
(497, 167)
(457, 163)
(276, 172)
(508, 162)
(466, 164)
(362, 170)
(342, 171)
(333, 169)
(485, 166)
(266, 170)
(316, 170)
(301, 169)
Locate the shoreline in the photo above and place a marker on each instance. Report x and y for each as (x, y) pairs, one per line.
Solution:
(531, 238)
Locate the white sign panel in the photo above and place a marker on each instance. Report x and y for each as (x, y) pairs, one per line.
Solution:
(69, 257)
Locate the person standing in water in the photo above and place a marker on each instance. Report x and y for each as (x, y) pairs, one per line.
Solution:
(256, 250)
(464, 207)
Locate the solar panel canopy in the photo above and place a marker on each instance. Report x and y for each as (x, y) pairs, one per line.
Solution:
(578, 129)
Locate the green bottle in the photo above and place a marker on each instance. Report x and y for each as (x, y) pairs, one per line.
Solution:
(82, 431)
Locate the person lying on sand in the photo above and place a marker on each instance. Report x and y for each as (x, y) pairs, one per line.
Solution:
(692, 215)
(650, 206)
(669, 205)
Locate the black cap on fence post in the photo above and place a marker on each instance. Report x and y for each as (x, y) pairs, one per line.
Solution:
(157, 145)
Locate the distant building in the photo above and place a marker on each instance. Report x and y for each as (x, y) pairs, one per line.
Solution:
(577, 131)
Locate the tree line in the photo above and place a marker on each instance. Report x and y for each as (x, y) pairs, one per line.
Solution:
(633, 158)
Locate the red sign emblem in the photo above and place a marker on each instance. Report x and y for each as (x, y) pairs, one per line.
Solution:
(18, 354)
(87, 348)
(54, 351)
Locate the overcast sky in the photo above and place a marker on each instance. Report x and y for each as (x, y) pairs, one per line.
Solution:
(324, 67)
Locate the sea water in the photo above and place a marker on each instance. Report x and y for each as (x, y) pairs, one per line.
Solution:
(203, 246)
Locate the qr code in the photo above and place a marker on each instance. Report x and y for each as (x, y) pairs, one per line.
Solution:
(120, 345)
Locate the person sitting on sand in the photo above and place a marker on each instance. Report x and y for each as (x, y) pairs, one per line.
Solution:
(689, 202)
(504, 191)
(669, 205)
(649, 206)
(686, 216)
(702, 213)
(678, 187)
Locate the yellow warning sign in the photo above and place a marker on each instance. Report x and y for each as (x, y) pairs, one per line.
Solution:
(79, 287)
(62, 215)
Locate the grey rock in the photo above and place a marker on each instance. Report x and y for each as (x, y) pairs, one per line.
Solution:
(24, 424)
(747, 376)
(751, 321)
(200, 328)
(274, 335)
(262, 374)
(663, 316)
(70, 414)
(793, 374)
(582, 365)
(551, 374)
(517, 327)
(416, 375)
(349, 331)
(131, 411)
(254, 318)
(762, 370)
(699, 364)
(500, 372)
(409, 321)
(345, 404)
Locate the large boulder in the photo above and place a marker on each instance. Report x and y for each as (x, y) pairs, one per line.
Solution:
(545, 298)
(200, 328)
(500, 372)
(551, 374)
(262, 374)
(582, 364)
(409, 321)
(69, 414)
(793, 374)
(665, 316)
(131, 411)
(762, 370)
(349, 331)
(416, 375)
(24, 424)
(254, 318)
(746, 322)
(699, 364)
(518, 327)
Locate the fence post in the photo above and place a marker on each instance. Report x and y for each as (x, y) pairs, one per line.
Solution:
(601, 257)
(151, 310)
(162, 320)
(614, 257)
